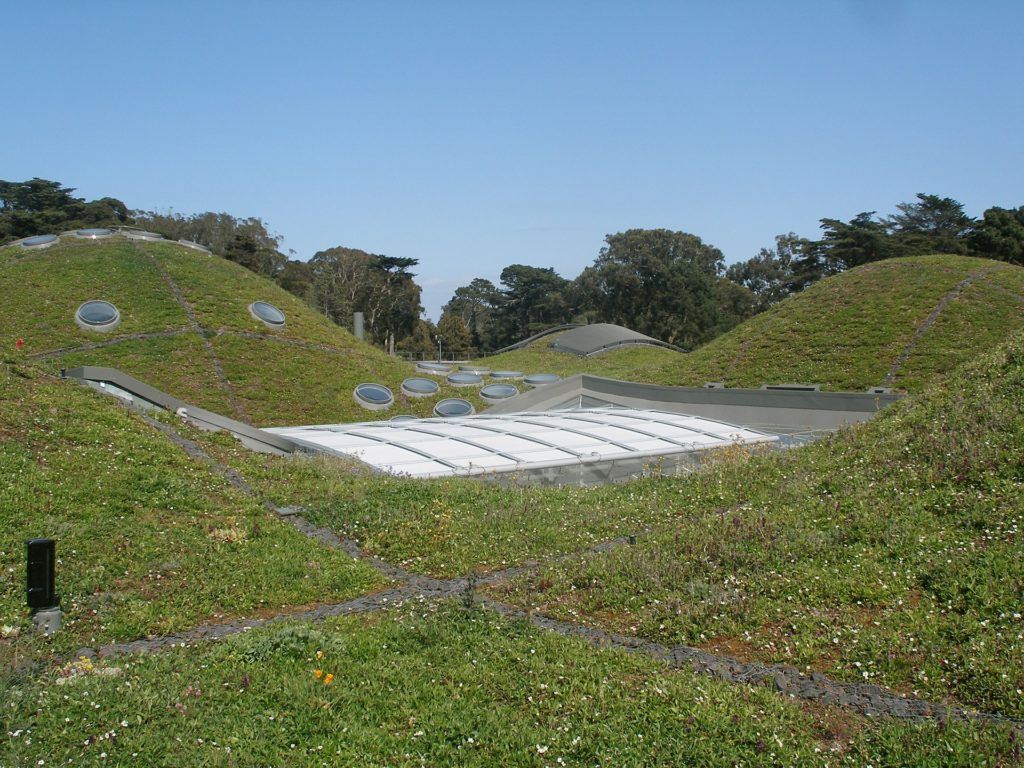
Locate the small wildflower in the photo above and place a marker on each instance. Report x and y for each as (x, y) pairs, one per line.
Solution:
(318, 673)
(328, 679)
(319, 654)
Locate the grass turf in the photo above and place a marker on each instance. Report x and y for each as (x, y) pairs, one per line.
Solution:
(457, 687)
(888, 553)
(149, 540)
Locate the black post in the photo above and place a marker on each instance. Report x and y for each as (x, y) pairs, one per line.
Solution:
(39, 574)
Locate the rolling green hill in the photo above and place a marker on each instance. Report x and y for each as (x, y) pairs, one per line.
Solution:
(186, 328)
(900, 323)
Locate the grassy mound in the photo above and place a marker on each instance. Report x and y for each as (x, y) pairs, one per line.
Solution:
(889, 553)
(901, 322)
(149, 540)
(186, 329)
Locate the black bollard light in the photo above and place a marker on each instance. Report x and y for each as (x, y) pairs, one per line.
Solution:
(40, 578)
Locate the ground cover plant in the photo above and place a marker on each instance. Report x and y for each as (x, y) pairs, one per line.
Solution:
(888, 553)
(459, 686)
(150, 540)
(845, 332)
(198, 340)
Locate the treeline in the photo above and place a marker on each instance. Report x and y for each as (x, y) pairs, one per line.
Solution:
(674, 287)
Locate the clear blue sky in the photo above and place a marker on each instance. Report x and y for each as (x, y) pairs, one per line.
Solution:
(473, 135)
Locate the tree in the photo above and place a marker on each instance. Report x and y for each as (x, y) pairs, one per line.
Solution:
(40, 206)
(933, 224)
(348, 280)
(660, 283)
(1000, 235)
(244, 241)
(456, 342)
(533, 298)
(476, 304)
(421, 344)
(769, 276)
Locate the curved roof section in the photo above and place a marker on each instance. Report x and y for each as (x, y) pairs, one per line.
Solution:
(517, 442)
(592, 339)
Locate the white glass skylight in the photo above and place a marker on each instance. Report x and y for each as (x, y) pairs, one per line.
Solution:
(464, 379)
(98, 315)
(495, 393)
(94, 233)
(539, 379)
(416, 387)
(515, 442)
(453, 406)
(267, 313)
(39, 241)
(373, 397)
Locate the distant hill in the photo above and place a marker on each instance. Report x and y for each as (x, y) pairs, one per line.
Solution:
(900, 322)
(187, 329)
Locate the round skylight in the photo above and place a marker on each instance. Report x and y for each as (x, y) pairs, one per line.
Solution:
(402, 417)
(93, 234)
(454, 406)
(373, 397)
(495, 393)
(139, 234)
(435, 368)
(475, 369)
(268, 313)
(539, 379)
(507, 375)
(194, 246)
(464, 379)
(416, 387)
(98, 316)
(39, 241)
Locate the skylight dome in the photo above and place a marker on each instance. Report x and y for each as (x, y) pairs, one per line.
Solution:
(139, 234)
(540, 379)
(267, 313)
(480, 371)
(454, 406)
(39, 241)
(495, 393)
(464, 379)
(435, 368)
(94, 233)
(373, 397)
(507, 375)
(416, 387)
(97, 315)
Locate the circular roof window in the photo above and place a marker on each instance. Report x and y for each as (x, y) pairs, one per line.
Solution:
(420, 387)
(539, 379)
(373, 397)
(139, 234)
(464, 379)
(454, 406)
(39, 241)
(98, 316)
(93, 234)
(507, 375)
(268, 313)
(435, 368)
(494, 393)
(194, 246)
(475, 369)
(401, 418)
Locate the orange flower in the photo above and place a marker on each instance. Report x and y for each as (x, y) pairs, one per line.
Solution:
(328, 679)
(319, 673)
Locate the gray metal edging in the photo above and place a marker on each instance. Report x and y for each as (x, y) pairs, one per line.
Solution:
(201, 416)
